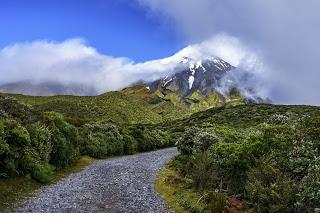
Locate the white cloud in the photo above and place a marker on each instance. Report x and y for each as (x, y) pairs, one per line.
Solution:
(73, 61)
(286, 33)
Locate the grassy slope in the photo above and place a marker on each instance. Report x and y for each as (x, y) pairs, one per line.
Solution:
(240, 116)
(131, 105)
(134, 104)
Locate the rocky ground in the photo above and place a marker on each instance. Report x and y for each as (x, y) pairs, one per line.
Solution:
(122, 184)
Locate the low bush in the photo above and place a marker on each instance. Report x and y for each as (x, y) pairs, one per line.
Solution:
(270, 189)
(34, 143)
(43, 173)
(65, 140)
(101, 139)
(130, 144)
(37, 143)
(150, 139)
(273, 166)
(16, 144)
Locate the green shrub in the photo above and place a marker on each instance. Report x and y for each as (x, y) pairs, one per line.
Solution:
(270, 189)
(15, 140)
(150, 138)
(143, 137)
(308, 197)
(215, 202)
(203, 140)
(95, 145)
(185, 143)
(43, 173)
(278, 119)
(201, 171)
(65, 141)
(130, 144)
(40, 141)
(102, 139)
(233, 161)
(21, 112)
(3, 114)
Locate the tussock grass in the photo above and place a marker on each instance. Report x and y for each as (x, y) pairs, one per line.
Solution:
(177, 192)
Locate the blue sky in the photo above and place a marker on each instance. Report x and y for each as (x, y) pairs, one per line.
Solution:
(113, 27)
(283, 35)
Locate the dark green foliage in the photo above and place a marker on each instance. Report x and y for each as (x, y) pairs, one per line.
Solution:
(305, 163)
(43, 173)
(65, 140)
(186, 143)
(270, 161)
(308, 196)
(130, 144)
(203, 140)
(36, 143)
(15, 141)
(242, 116)
(202, 172)
(270, 189)
(102, 139)
(40, 141)
(149, 139)
(25, 151)
(215, 202)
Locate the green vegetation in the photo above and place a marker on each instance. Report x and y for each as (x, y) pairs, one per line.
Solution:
(263, 157)
(258, 158)
(181, 196)
(197, 102)
(131, 105)
(37, 145)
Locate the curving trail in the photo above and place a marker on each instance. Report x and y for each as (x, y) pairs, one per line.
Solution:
(122, 184)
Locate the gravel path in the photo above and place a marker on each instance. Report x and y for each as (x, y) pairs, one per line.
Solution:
(122, 184)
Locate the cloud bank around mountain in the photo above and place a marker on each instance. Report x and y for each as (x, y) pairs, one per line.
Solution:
(73, 61)
(285, 33)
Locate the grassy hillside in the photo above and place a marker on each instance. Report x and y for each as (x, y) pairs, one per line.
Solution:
(240, 116)
(134, 104)
(131, 105)
(257, 158)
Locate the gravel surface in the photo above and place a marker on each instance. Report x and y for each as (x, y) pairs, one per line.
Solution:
(122, 184)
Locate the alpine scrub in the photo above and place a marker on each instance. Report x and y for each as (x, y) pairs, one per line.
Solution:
(272, 166)
(35, 143)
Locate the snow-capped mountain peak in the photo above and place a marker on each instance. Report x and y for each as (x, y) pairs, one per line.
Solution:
(192, 74)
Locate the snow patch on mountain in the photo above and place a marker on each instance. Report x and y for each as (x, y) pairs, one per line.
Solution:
(191, 80)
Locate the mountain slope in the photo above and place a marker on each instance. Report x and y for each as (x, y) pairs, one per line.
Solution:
(196, 85)
(46, 88)
(202, 75)
(131, 105)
